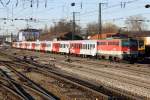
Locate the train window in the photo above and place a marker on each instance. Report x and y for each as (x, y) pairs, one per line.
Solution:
(101, 43)
(93, 45)
(88, 46)
(133, 42)
(113, 43)
(83, 46)
(79, 46)
(37, 44)
(67, 45)
(48, 45)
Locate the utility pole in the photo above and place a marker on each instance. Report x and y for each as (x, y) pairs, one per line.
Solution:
(73, 21)
(74, 24)
(100, 20)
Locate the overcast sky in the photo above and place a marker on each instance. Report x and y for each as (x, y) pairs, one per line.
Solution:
(49, 11)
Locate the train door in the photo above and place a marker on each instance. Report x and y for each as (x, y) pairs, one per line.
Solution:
(33, 46)
(56, 47)
(43, 46)
(75, 48)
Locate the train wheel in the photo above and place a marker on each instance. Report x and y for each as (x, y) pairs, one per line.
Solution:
(118, 59)
(110, 58)
(103, 57)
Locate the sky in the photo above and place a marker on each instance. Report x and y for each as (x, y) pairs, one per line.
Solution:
(48, 12)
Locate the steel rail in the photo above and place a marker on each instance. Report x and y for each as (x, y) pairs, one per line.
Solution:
(55, 73)
(19, 89)
(10, 90)
(34, 85)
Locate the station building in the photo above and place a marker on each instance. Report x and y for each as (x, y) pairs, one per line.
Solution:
(29, 34)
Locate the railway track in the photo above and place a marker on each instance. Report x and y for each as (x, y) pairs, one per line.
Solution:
(17, 87)
(43, 70)
(134, 68)
(139, 69)
(11, 90)
(111, 76)
(127, 72)
(101, 72)
(115, 77)
(46, 70)
(30, 85)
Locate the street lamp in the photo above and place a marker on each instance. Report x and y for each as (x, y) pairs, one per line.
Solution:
(147, 6)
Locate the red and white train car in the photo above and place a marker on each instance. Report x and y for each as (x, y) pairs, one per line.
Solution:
(37, 45)
(48, 47)
(117, 48)
(14, 45)
(83, 47)
(60, 46)
(107, 48)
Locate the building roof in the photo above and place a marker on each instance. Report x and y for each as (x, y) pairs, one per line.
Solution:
(100, 36)
(139, 34)
(121, 35)
(60, 36)
(30, 30)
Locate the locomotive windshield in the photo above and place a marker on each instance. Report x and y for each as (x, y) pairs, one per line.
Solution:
(129, 42)
(133, 42)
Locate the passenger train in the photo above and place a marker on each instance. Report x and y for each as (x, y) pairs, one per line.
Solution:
(112, 48)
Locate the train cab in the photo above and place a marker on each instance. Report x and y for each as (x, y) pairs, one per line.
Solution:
(117, 48)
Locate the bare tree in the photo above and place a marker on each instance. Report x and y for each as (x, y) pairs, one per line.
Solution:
(45, 30)
(135, 23)
(110, 28)
(63, 26)
(92, 28)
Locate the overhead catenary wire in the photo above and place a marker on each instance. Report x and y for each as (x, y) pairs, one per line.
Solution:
(112, 6)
